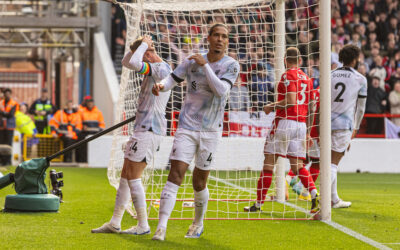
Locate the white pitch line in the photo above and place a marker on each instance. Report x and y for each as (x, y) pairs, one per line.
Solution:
(335, 225)
(356, 235)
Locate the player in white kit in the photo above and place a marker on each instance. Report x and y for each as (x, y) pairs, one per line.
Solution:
(150, 126)
(209, 79)
(349, 94)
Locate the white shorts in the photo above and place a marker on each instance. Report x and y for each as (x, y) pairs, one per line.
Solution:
(313, 151)
(288, 140)
(142, 146)
(201, 145)
(341, 140)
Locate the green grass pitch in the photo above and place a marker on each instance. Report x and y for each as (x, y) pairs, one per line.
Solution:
(89, 201)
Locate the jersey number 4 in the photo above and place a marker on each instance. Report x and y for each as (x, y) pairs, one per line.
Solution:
(134, 147)
(342, 87)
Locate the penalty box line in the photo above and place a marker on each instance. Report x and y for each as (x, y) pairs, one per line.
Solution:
(335, 225)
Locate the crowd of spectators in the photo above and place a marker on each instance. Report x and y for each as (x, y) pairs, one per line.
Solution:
(70, 123)
(372, 25)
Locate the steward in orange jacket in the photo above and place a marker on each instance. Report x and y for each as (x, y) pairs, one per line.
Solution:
(92, 118)
(8, 107)
(67, 124)
(93, 122)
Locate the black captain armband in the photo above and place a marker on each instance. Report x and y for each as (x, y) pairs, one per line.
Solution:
(176, 79)
(228, 81)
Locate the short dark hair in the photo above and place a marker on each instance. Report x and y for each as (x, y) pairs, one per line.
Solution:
(376, 77)
(292, 55)
(215, 25)
(348, 54)
(7, 90)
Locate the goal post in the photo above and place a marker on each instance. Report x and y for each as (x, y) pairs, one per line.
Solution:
(258, 39)
(325, 109)
(280, 45)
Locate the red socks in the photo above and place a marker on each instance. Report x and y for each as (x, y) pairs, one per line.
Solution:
(291, 174)
(264, 182)
(314, 172)
(306, 179)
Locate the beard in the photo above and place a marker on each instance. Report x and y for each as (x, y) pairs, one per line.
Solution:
(217, 51)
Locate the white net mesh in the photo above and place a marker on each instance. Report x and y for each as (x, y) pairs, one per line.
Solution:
(180, 29)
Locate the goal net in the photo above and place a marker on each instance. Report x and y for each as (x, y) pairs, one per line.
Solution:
(179, 28)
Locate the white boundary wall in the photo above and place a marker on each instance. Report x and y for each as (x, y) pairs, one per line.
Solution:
(367, 155)
(105, 81)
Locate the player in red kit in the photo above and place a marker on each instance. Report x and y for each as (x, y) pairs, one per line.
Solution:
(313, 152)
(291, 129)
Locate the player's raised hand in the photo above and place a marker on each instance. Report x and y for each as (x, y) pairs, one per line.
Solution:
(156, 89)
(147, 39)
(199, 59)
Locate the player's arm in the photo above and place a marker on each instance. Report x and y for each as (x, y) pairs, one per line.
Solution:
(173, 79)
(165, 85)
(311, 114)
(134, 60)
(310, 121)
(219, 87)
(360, 108)
(287, 102)
(125, 60)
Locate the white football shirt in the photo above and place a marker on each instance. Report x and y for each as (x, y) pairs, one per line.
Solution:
(151, 109)
(347, 85)
(202, 110)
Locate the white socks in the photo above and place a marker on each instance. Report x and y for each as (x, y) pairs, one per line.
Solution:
(139, 201)
(167, 203)
(334, 195)
(200, 203)
(121, 201)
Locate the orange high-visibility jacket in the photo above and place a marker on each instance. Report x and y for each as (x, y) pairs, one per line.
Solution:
(8, 113)
(63, 123)
(92, 120)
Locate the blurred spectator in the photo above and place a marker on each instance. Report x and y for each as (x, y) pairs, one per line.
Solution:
(42, 109)
(92, 122)
(394, 99)
(26, 126)
(378, 71)
(24, 123)
(82, 106)
(355, 39)
(261, 88)
(362, 69)
(394, 77)
(118, 29)
(66, 124)
(376, 104)
(239, 99)
(8, 107)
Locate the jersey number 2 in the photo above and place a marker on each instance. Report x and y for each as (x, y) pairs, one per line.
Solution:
(343, 88)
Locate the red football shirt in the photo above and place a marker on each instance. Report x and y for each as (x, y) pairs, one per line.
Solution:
(315, 96)
(295, 80)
